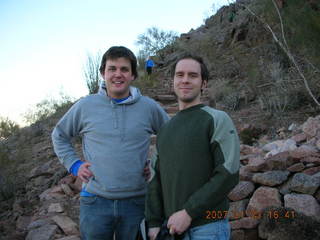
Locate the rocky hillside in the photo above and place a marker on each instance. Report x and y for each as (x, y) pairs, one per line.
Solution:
(250, 74)
(277, 198)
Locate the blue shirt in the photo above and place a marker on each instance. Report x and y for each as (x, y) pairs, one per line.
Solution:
(149, 63)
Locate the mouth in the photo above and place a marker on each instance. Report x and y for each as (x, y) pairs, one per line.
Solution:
(117, 83)
(185, 89)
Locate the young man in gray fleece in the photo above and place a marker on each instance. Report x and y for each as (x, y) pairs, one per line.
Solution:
(115, 126)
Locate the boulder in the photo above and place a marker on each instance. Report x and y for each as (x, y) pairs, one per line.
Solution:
(263, 197)
(303, 203)
(241, 191)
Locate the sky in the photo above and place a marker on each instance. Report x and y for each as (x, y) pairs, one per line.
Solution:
(44, 44)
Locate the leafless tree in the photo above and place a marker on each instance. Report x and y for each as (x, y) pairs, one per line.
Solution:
(91, 72)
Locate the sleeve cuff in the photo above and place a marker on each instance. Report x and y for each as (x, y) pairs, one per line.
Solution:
(75, 167)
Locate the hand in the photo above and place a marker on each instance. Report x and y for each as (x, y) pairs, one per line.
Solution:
(84, 172)
(153, 232)
(146, 171)
(179, 222)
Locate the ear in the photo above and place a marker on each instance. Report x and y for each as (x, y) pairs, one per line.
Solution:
(204, 84)
(102, 75)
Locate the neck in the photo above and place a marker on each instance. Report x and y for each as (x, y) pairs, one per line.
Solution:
(118, 96)
(185, 105)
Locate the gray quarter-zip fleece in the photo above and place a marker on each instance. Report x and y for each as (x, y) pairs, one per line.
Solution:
(115, 140)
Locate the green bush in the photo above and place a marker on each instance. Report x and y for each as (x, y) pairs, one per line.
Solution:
(7, 127)
(46, 108)
(7, 188)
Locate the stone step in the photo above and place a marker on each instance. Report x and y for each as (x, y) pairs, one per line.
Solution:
(171, 109)
(165, 99)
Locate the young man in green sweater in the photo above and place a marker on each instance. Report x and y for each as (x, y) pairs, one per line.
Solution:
(197, 162)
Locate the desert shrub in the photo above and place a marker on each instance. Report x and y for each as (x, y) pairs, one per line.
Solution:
(47, 107)
(285, 92)
(221, 91)
(7, 188)
(7, 127)
(6, 184)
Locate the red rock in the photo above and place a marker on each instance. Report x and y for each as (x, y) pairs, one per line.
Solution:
(311, 159)
(237, 209)
(311, 126)
(301, 137)
(56, 189)
(245, 173)
(303, 183)
(67, 190)
(244, 223)
(301, 152)
(77, 185)
(312, 171)
(256, 164)
(68, 226)
(241, 191)
(249, 150)
(279, 161)
(298, 167)
(67, 179)
(303, 203)
(318, 144)
(263, 197)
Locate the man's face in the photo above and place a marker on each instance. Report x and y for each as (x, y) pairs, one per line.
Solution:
(187, 80)
(118, 76)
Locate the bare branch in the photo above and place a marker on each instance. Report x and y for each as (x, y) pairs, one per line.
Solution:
(284, 47)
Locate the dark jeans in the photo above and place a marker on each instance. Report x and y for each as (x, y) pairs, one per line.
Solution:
(101, 218)
(149, 70)
(219, 230)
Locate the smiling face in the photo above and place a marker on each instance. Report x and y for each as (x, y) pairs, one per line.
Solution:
(118, 76)
(188, 82)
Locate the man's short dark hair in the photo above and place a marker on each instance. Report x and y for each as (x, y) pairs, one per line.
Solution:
(204, 69)
(118, 52)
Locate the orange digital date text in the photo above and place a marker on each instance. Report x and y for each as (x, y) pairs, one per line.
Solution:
(272, 214)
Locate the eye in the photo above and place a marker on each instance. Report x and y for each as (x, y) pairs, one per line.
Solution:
(193, 75)
(179, 74)
(111, 69)
(124, 69)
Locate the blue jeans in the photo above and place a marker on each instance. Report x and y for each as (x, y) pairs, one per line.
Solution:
(219, 230)
(102, 218)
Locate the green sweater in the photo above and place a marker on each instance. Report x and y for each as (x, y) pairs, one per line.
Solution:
(197, 166)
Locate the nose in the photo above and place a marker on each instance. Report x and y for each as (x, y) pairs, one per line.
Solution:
(185, 79)
(117, 73)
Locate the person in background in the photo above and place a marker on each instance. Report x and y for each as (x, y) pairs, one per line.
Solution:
(115, 126)
(197, 164)
(149, 66)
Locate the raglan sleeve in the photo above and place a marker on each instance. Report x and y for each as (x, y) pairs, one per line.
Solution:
(225, 150)
(68, 127)
(154, 211)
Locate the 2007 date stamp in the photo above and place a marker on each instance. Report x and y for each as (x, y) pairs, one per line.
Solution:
(272, 214)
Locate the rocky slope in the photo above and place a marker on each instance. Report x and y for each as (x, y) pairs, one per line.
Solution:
(278, 194)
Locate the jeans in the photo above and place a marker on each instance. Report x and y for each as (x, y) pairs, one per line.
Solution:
(102, 218)
(219, 230)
